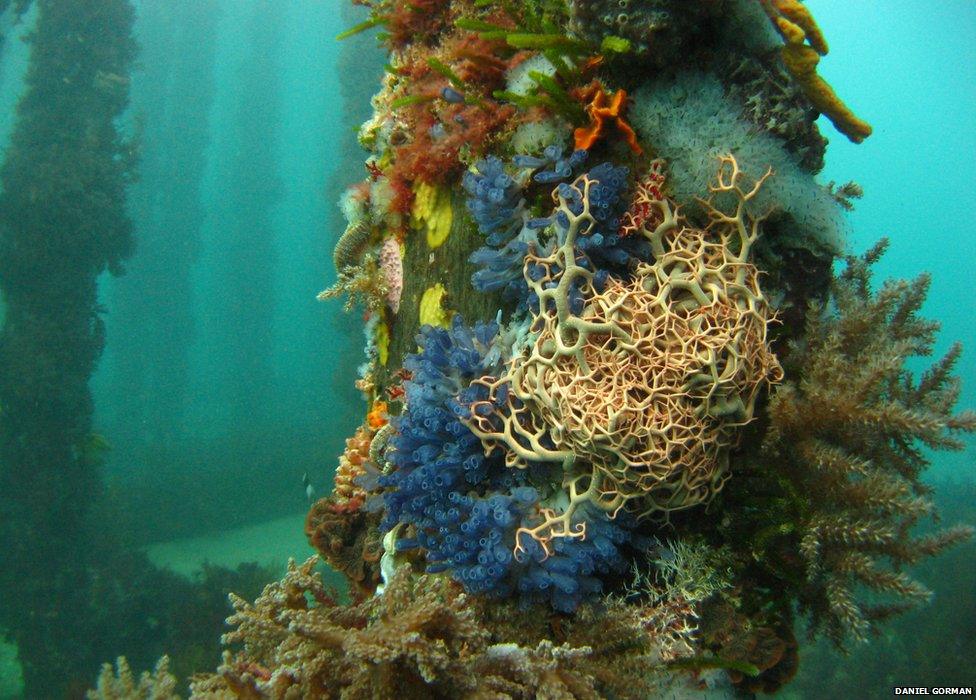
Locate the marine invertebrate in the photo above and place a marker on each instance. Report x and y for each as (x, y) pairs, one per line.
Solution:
(518, 78)
(351, 245)
(120, 684)
(442, 139)
(760, 658)
(416, 20)
(391, 264)
(690, 121)
(415, 638)
(636, 22)
(601, 110)
(432, 311)
(425, 638)
(692, 570)
(657, 33)
(774, 103)
(801, 52)
(495, 200)
(535, 135)
(462, 507)
(380, 340)
(602, 246)
(643, 212)
(560, 166)
(500, 269)
(364, 282)
(432, 212)
(524, 464)
(341, 527)
(346, 493)
(664, 598)
(638, 394)
(349, 540)
(377, 416)
(844, 447)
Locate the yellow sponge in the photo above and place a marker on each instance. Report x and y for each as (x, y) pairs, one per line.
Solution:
(431, 310)
(382, 340)
(804, 46)
(432, 212)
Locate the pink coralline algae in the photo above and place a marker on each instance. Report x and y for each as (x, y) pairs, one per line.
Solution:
(391, 264)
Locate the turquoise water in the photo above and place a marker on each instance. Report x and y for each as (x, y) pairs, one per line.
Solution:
(913, 74)
(224, 381)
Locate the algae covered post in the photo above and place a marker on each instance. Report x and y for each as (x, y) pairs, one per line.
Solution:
(62, 224)
(634, 416)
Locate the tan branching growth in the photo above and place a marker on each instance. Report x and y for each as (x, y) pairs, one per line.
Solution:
(120, 684)
(639, 396)
(847, 441)
(423, 638)
(363, 282)
(351, 245)
(298, 643)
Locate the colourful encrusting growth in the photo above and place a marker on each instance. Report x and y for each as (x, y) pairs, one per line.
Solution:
(588, 238)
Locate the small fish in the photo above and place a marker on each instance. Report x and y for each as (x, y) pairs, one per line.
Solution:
(107, 81)
(309, 491)
(451, 95)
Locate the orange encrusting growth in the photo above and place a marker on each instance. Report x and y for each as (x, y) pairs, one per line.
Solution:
(346, 494)
(600, 111)
(377, 416)
(804, 45)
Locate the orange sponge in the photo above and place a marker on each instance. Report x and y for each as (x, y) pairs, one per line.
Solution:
(600, 111)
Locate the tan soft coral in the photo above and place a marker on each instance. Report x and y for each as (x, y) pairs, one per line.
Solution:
(424, 638)
(639, 395)
(845, 445)
(121, 684)
(297, 642)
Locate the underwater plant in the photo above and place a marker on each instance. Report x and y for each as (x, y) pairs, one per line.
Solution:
(120, 684)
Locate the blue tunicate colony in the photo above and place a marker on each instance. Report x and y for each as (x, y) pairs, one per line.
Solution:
(464, 507)
(495, 200)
